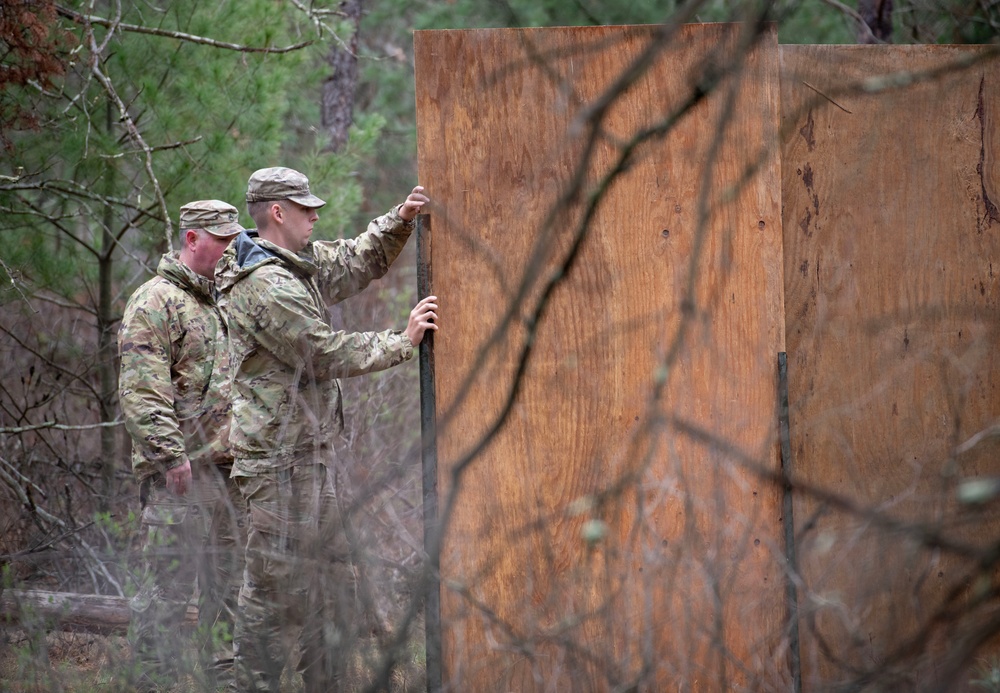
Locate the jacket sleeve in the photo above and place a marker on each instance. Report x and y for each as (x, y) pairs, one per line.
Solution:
(289, 325)
(146, 391)
(348, 266)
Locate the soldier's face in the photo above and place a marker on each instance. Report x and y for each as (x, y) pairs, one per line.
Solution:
(204, 251)
(296, 225)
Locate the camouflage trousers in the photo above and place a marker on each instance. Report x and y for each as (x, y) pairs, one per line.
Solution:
(299, 582)
(196, 538)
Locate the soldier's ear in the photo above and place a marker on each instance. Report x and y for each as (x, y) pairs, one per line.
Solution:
(276, 212)
(190, 237)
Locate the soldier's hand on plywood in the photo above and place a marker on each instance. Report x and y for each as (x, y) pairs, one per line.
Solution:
(414, 203)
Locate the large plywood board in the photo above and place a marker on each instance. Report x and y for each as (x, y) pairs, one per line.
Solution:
(606, 247)
(891, 181)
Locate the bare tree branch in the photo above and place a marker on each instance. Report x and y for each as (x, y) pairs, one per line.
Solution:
(133, 131)
(157, 148)
(60, 427)
(13, 282)
(179, 35)
(49, 363)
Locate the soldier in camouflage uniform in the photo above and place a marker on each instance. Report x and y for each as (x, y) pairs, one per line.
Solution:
(276, 286)
(174, 392)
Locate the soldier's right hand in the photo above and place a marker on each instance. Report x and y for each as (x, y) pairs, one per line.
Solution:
(414, 203)
(179, 478)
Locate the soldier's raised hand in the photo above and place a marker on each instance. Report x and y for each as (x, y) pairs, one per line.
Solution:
(414, 202)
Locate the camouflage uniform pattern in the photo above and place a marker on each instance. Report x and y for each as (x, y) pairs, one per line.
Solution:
(174, 393)
(174, 378)
(281, 183)
(287, 418)
(286, 358)
(300, 578)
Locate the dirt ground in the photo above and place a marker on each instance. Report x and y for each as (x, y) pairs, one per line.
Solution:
(67, 662)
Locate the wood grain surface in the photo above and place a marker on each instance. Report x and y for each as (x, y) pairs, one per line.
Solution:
(891, 291)
(607, 252)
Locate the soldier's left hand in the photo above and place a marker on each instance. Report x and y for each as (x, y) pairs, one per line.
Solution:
(422, 318)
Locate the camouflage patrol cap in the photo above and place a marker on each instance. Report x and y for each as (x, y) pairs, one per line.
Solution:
(215, 216)
(280, 183)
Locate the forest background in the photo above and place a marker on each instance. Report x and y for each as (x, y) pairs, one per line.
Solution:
(114, 114)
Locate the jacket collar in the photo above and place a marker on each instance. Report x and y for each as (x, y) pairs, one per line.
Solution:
(177, 273)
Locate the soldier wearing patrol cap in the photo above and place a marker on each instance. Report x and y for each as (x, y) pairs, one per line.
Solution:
(174, 394)
(276, 285)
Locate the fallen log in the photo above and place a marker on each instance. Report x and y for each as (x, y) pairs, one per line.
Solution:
(86, 613)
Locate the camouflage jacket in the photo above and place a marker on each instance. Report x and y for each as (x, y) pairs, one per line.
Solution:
(174, 379)
(285, 356)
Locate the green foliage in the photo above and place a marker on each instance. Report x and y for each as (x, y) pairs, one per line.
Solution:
(229, 107)
(547, 13)
(334, 178)
(814, 22)
(29, 246)
(210, 115)
(540, 13)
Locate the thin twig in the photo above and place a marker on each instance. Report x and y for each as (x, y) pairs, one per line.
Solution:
(137, 137)
(69, 187)
(977, 438)
(826, 97)
(179, 35)
(13, 283)
(23, 478)
(157, 148)
(60, 427)
(45, 546)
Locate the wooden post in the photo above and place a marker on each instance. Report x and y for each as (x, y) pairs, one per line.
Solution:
(428, 431)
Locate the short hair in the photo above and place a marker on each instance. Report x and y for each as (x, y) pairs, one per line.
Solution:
(258, 211)
(182, 234)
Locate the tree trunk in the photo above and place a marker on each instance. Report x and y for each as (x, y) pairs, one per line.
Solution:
(340, 86)
(878, 17)
(106, 351)
(86, 613)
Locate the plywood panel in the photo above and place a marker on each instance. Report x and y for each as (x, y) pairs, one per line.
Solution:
(892, 288)
(611, 313)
